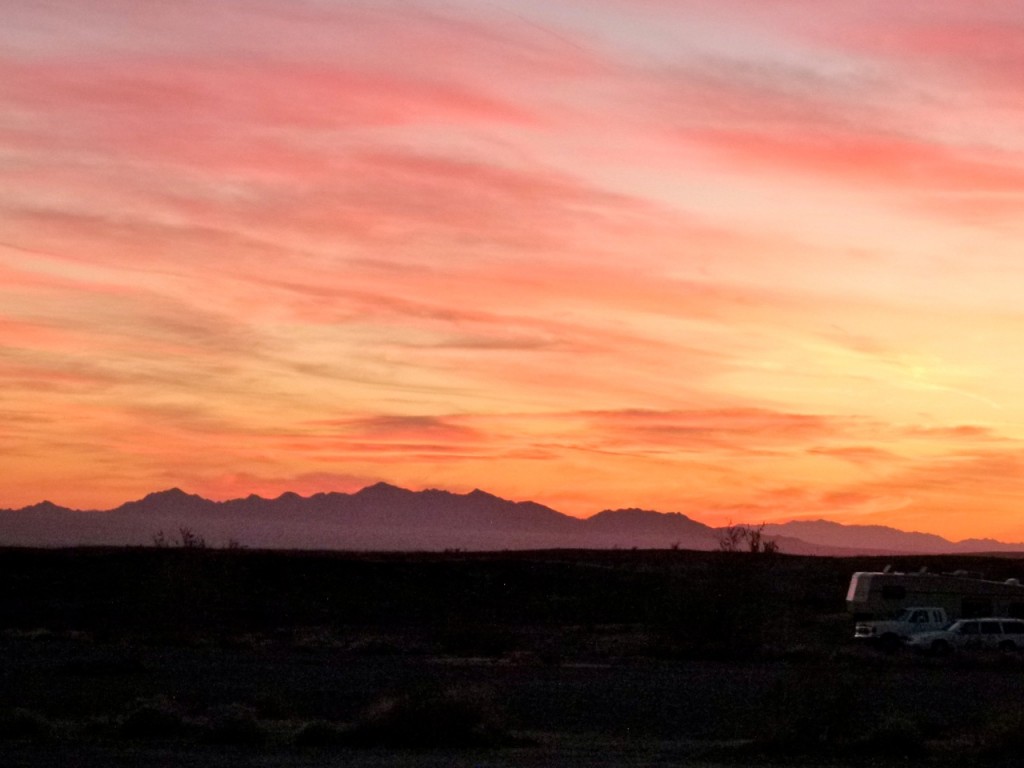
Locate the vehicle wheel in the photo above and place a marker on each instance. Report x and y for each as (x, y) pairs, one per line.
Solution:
(940, 648)
(889, 643)
(1008, 646)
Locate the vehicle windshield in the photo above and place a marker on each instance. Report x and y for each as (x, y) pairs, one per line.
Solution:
(965, 627)
(912, 615)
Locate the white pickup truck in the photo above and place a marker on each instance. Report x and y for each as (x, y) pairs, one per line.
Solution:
(889, 634)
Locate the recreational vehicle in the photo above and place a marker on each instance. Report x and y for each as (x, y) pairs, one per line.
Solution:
(875, 595)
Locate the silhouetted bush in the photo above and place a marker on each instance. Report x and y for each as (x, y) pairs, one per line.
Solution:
(154, 719)
(1002, 735)
(468, 639)
(746, 538)
(808, 713)
(893, 737)
(234, 724)
(120, 665)
(733, 610)
(814, 712)
(25, 725)
(377, 646)
(321, 734)
(452, 717)
(189, 539)
(269, 707)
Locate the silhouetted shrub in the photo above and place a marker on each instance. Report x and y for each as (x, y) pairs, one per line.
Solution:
(746, 538)
(154, 719)
(189, 539)
(321, 734)
(453, 717)
(269, 707)
(234, 724)
(375, 646)
(893, 737)
(735, 613)
(808, 713)
(814, 712)
(1002, 735)
(107, 666)
(465, 639)
(25, 725)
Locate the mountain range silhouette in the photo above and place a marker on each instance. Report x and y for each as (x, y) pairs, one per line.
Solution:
(386, 517)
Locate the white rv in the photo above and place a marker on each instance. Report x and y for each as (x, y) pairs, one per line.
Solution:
(877, 595)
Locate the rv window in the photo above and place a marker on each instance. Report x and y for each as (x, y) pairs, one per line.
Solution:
(855, 585)
(893, 592)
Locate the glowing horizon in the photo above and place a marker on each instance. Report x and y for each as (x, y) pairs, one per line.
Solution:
(745, 261)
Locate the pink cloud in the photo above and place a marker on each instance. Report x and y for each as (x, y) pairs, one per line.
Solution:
(744, 430)
(888, 161)
(393, 427)
(857, 454)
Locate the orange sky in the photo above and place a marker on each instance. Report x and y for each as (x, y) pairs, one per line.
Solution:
(750, 261)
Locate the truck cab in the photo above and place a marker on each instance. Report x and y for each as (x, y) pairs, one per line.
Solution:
(889, 634)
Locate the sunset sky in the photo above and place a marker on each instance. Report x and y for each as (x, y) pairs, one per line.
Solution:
(750, 260)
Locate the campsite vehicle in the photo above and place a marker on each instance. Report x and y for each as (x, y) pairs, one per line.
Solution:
(889, 633)
(989, 633)
(880, 595)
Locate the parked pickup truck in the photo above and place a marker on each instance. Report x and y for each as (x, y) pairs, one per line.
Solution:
(889, 634)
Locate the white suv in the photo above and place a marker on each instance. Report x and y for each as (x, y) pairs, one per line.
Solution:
(992, 633)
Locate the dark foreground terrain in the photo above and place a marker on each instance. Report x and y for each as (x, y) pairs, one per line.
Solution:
(192, 656)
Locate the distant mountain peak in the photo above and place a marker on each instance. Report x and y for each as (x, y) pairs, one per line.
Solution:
(44, 506)
(635, 511)
(170, 500)
(171, 494)
(881, 538)
(385, 516)
(632, 519)
(381, 488)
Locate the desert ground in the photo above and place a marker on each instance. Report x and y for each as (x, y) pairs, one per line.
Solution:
(175, 656)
